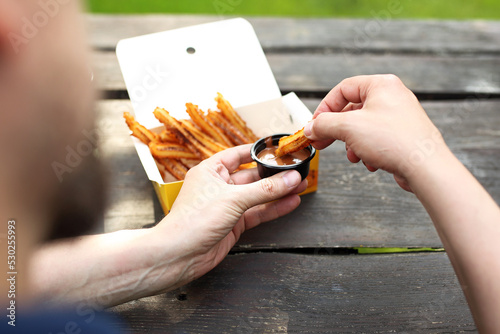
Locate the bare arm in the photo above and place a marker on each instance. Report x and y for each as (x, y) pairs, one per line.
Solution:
(468, 222)
(384, 126)
(214, 207)
(108, 269)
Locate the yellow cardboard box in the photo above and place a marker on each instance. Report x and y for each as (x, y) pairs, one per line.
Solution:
(192, 64)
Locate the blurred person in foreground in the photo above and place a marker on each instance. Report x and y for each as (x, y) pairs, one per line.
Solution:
(46, 106)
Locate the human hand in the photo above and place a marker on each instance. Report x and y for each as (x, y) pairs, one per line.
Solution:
(381, 122)
(215, 206)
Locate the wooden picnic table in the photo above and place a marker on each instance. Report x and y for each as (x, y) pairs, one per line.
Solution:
(305, 273)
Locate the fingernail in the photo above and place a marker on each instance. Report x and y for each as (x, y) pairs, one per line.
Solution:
(307, 128)
(291, 178)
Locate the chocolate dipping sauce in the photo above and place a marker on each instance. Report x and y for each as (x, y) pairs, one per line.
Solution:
(267, 156)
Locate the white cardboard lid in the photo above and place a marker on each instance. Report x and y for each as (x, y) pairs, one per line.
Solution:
(228, 58)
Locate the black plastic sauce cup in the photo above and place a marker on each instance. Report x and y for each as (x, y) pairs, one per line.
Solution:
(266, 170)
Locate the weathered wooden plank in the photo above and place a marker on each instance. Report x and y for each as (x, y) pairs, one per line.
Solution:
(320, 72)
(352, 206)
(376, 34)
(422, 74)
(131, 195)
(287, 293)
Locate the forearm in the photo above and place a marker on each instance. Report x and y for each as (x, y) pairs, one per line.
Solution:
(109, 269)
(468, 222)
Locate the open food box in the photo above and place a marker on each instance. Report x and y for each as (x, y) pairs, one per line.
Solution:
(169, 69)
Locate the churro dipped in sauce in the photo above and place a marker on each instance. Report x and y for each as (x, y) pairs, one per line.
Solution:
(268, 155)
(292, 143)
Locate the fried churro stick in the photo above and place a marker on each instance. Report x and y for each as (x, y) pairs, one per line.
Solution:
(189, 163)
(182, 134)
(292, 143)
(167, 136)
(206, 125)
(249, 165)
(202, 138)
(236, 137)
(184, 143)
(170, 150)
(232, 116)
(174, 167)
(138, 130)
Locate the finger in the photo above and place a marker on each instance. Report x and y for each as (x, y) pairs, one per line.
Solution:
(240, 228)
(349, 90)
(352, 106)
(370, 168)
(352, 157)
(246, 176)
(301, 187)
(322, 144)
(270, 211)
(231, 158)
(266, 190)
(252, 175)
(331, 126)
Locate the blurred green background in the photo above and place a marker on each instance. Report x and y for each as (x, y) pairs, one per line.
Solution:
(446, 9)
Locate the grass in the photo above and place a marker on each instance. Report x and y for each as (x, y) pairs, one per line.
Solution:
(437, 9)
(382, 250)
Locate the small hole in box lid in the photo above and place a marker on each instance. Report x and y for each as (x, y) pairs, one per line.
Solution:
(191, 50)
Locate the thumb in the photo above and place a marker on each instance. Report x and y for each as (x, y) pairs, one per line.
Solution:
(268, 189)
(329, 126)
